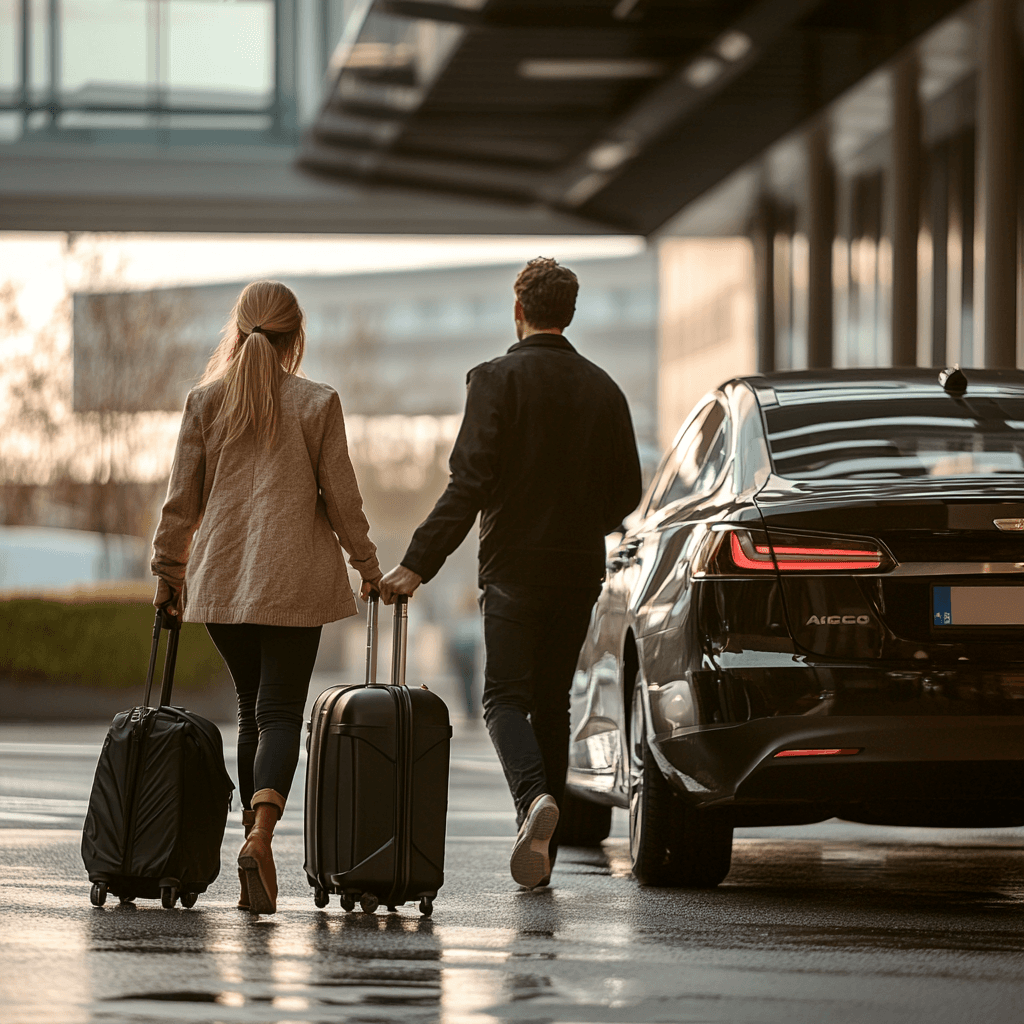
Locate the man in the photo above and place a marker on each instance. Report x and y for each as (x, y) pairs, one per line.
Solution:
(547, 456)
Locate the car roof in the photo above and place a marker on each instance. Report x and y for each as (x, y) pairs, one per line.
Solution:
(794, 386)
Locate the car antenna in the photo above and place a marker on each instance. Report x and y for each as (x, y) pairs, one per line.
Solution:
(953, 379)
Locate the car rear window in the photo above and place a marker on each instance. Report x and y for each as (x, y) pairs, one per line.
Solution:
(897, 436)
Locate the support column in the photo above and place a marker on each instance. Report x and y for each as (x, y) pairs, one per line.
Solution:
(285, 67)
(26, 61)
(938, 195)
(906, 206)
(55, 55)
(763, 234)
(821, 229)
(999, 112)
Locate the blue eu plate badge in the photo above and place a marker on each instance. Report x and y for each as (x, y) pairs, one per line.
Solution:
(942, 606)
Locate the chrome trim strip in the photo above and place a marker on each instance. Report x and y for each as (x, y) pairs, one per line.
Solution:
(956, 569)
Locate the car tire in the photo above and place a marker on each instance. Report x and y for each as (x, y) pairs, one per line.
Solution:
(652, 807)
(581, 822)
(701, 852)
(670, 843)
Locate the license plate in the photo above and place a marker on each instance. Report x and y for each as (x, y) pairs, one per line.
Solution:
(978, 606)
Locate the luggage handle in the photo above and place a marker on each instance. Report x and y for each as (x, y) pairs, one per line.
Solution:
(399, 640)
(373, 606)
(173, 626)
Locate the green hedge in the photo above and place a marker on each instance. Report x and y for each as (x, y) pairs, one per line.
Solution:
(98, 643)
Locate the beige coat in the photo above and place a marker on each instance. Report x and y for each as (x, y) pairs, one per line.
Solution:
(257, 536)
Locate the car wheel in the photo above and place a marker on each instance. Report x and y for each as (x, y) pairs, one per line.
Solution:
(582, 823)
(651, 807)
(671, 844)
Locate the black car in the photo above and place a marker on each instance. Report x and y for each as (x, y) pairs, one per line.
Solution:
(817, 611)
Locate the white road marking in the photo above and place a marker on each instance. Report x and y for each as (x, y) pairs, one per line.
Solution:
(50, 804)
(52, 749)
(36, 819)
(473, 765)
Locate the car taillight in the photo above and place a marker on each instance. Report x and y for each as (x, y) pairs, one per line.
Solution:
(743, 551)
(820, 752)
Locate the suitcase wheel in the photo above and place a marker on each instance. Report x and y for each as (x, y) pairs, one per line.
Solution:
(320, 897)
(369, 902)
(188, 899)
(168, 896)
(426, 906)
(392, 909)
(348, 903)
(98, 894)
(128, 897)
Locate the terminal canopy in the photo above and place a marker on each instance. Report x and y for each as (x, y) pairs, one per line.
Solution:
(619, 112)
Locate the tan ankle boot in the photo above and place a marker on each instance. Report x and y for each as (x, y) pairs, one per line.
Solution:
(256, 859)
(248, 820)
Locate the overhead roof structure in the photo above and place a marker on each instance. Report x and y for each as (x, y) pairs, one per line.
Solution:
(617, 112)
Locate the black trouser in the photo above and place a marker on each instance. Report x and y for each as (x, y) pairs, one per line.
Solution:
(271, 667)
(532, 637)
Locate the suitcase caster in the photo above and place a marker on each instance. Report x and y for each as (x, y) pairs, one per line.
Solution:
(98, 894)
(128, 898)
(348, 903)
(369, 903)
(188, 899)
(426, 906)
(320, 898)
(168, 896)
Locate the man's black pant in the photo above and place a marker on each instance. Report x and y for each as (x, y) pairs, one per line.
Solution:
(532, 637)
(271, 668)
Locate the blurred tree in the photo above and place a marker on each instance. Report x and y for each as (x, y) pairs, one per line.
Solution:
(36, 396)
(82, 423)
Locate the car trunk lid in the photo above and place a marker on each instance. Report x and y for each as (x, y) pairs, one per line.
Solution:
(941, 533)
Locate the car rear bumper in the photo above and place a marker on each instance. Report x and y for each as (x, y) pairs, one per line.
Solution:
(758, 684)
(907, 769)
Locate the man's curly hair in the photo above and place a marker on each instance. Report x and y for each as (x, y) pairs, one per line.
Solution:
(547, 293)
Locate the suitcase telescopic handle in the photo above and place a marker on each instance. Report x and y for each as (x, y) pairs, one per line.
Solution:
(400, 640)
(173, 626)
(373, 607)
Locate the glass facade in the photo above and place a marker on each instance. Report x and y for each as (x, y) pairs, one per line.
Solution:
(253, 67)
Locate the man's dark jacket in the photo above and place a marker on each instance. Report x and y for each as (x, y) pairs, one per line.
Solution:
(547, 455)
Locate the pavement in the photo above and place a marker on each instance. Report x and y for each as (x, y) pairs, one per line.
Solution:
(828, 923)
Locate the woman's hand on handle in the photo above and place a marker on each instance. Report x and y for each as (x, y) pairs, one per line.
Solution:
(399, 581)
(369, 586)
(166, 598)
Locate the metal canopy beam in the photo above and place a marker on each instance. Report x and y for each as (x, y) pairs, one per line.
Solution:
(620, 121)
(223, 189)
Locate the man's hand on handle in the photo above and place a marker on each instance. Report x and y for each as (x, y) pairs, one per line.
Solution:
(399, 581)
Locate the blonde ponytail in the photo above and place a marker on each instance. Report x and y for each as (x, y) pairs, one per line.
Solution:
(263, 340)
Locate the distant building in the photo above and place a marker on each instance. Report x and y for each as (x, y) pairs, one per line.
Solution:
(396, 342)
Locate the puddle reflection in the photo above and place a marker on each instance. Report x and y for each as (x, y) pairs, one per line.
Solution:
(354, 960)
(127, 928)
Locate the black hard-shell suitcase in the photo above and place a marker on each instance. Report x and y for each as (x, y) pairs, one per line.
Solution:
(377, 786)
(160, 798)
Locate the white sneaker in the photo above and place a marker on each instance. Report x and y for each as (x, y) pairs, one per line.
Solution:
(530, 864)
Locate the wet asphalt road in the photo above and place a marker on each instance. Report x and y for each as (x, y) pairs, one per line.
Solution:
(834, 923)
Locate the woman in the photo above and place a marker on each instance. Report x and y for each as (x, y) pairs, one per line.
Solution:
(262, 499)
